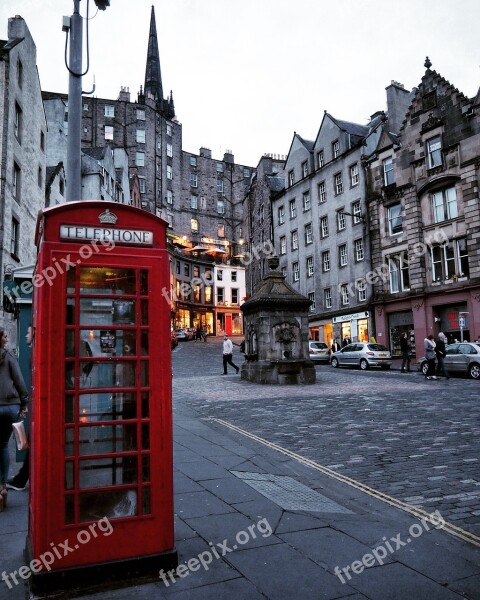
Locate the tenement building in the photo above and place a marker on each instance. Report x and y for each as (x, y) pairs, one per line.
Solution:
(22, 152)
(424, 219)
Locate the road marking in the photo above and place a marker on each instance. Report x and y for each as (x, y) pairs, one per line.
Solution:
(419, 513)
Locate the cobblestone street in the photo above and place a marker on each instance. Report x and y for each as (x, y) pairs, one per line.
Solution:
(415, 440)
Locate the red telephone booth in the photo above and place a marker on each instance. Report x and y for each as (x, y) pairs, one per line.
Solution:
(101, 494)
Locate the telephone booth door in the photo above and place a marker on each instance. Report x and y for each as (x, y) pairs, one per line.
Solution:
(101, 425)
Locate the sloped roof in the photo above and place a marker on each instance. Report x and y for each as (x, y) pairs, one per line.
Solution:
(309, 144)
(352, 128)
(276, 183)
(96, 152)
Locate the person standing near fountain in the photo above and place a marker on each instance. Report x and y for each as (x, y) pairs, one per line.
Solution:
(227, 355)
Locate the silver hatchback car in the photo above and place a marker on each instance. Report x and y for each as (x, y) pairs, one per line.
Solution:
(461, 359)
(363, 355)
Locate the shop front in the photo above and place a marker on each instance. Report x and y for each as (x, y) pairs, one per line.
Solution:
(229, 322)
(354, 327)
(399, 323)
(321, 331)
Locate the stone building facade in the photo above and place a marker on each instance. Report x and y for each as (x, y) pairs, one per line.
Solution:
(424, 207)
(22, 152)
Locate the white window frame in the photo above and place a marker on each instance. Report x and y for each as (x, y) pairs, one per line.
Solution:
(283, 245)
(140, 114)
(434, 152)
(343, 255)
(220, 207)
(310, 266)
(305, 169)
(341, 222)
(294, 240)
(220, 186)
(388, 173)
(169, 197)
(308, 234)
(291, 178)
(398, 273)
(361, 291)
(327, 298)
(109, 110)
(357, 212)
(169, 150)
(292, 207)
(311, 297)
(321, 158)
(323, 227)
(169, 172)
(109, 132)
(354, 175)
(359, 250)
(140, 159)
(281, 215)
(194, 201)
(296, 271)
(326, 264)
(194, 225)
(307, 204)
(336, 149)
(322, 192)
(344, 295)
(444, 204)
(395, 219)
(193, 180)
(338, 179)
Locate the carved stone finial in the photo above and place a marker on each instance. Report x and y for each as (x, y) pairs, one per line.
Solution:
(428, 63)
(273, 263)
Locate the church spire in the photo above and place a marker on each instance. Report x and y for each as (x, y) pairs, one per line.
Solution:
(153, 76)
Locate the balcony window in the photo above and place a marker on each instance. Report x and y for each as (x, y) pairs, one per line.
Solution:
(444, 205)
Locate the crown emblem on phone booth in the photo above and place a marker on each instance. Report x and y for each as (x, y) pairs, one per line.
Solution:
(107, 217)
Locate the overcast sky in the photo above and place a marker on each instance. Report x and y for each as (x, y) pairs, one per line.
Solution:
(247, 74)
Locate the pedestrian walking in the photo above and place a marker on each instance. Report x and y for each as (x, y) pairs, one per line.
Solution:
(405, 353)
(335, 346)
(440, 351)
(429, 346)
(227, 355)
(13, 402)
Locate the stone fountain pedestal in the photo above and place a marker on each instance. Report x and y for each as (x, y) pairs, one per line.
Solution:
(276, 333)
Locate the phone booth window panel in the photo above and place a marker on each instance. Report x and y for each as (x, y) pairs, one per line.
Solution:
(101, 406)
(107, 280)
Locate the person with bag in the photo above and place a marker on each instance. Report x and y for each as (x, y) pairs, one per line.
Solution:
(429, 346)
(13, 404)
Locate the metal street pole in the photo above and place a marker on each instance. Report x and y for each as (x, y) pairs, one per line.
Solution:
(74, 182)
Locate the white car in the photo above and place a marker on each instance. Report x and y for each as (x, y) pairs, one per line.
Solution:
(318, 352)
(363, 355)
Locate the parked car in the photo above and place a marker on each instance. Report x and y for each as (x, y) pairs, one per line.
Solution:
(461, 359)
(183, 334)
(318, 351)
(363, 355)
(174, 339)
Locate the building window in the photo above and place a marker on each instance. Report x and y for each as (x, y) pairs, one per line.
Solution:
(141, 184)
(309, 266)
(186, 270)
(296, 271)
(246, 172)
(17, 182)
(220, 186)
(311, 297)
(293, 209)
(85, 107)
(283, 245)
(219, 167)
(109, 132)
(444, 205)
(344, 295)
(357, 213)
(18, 123)
(140, 159)
(193, 201)
(336, 149)
(208, 274)
(326, 261)
(233, 276)
(220, 207)
(19, 73)
(322, 192)
(193, 161)
(169, 172)
(361, 291)
(434, 151)
(291, 178)
(398, 272)
(14, 238)
(308, 234)
(220, 230)
(193, 180)
(169, 197)
(342, 255)
(194, 225)
(235, 295)
(284, 272)
(140, 114)
(208, 294)
(321, 159)
(327, 298)
(281, 215)
(304, 169)
(220, 295)
(220, 275)
(395, 219)
(359, 253)
(388, 174)
(177, 267)
(338, 184)
(109, 110)
(170, 219)
(354, 176)
(450, 260)
(295, 240)
(169, 129)
(341, 220)
(140, 136)
(324, 227)
(169, 150)
(306, 201)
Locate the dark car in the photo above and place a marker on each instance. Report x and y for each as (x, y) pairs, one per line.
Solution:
(461, 359)
(363, 355)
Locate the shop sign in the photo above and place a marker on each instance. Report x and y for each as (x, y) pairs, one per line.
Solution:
(106, 234)
(352, 317)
